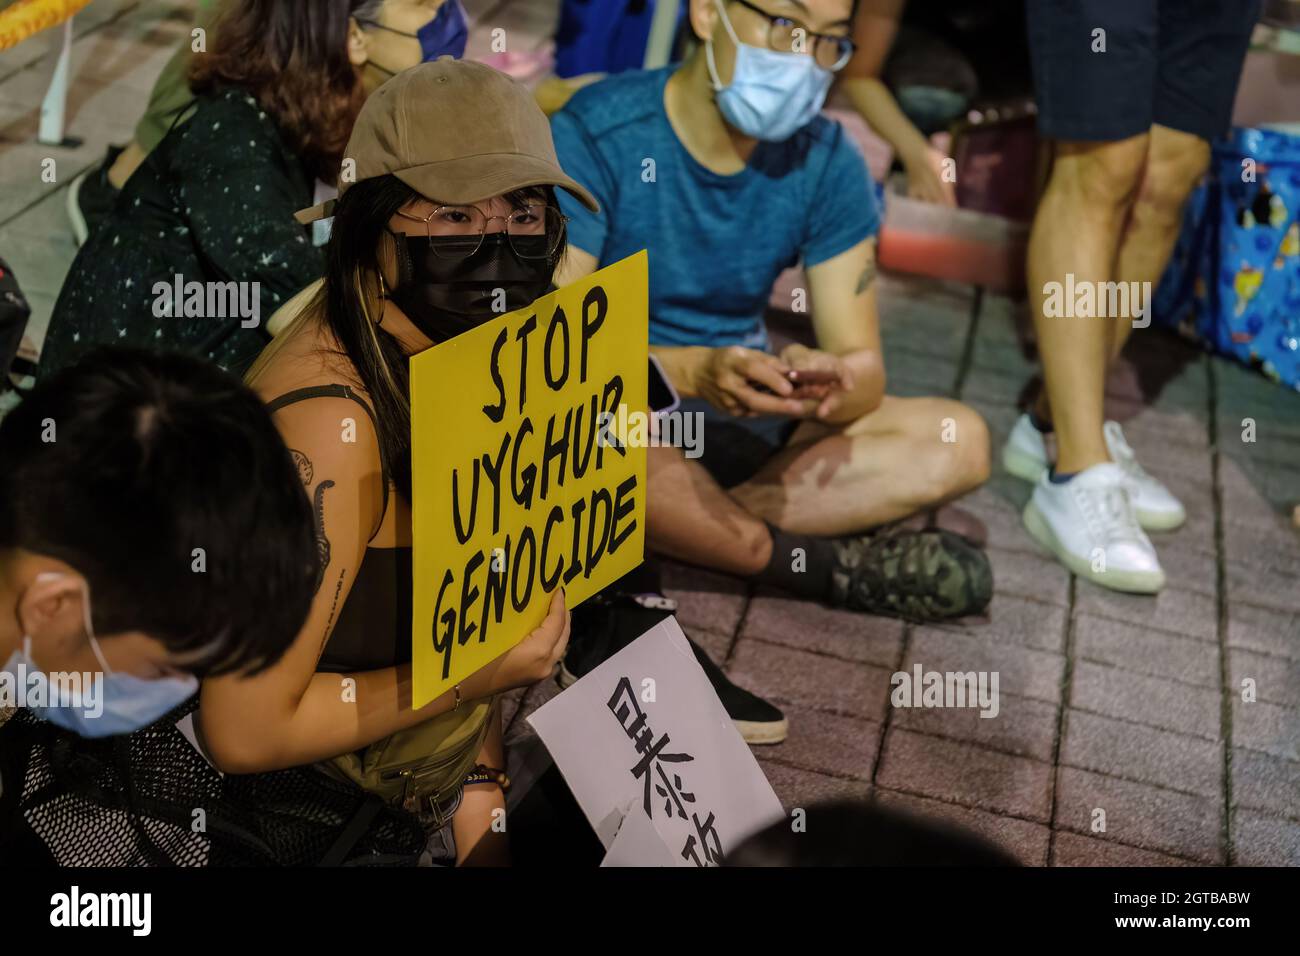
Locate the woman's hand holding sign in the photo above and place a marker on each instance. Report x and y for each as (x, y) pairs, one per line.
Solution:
(531, 660)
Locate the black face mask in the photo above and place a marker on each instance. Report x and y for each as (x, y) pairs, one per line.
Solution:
(444, 297)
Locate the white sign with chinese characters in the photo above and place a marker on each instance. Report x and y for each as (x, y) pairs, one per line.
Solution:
(646, 730)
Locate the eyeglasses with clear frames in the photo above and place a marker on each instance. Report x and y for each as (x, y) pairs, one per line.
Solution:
(533, 231)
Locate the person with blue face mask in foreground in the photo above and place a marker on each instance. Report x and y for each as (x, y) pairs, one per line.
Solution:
(726, 171)
(153, 530)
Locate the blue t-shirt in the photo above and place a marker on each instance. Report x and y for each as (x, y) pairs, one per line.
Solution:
(716, 243)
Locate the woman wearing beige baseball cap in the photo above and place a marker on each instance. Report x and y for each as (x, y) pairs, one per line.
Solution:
(448, 195)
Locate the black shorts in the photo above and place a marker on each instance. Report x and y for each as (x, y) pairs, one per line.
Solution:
(1172, 62)
(735, 449)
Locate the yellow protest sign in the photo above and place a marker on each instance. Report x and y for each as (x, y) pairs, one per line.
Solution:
(523, 479)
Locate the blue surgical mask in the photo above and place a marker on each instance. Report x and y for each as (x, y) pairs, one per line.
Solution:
(772, 94)
(445, 35)
(117, 703)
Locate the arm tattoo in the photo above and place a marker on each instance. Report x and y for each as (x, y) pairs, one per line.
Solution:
(322, 542)
(306, 472)
(305, 469)
(334, 606)
(868, 276)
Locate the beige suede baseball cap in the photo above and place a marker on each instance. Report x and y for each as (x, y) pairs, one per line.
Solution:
(454, 131)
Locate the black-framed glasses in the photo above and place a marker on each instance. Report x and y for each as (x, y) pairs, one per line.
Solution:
(533, 231)
(790, 36)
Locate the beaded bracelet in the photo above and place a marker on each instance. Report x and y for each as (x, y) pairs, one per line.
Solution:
(482, 774)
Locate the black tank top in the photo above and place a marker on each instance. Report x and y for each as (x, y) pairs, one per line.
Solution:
(373, 629)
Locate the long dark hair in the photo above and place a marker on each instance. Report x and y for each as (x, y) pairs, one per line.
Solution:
(291, 56)
(350, 303)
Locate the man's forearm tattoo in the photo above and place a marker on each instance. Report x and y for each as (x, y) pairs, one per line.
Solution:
(868, 276)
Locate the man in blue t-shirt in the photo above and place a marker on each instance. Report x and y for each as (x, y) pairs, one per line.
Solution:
(725, 171)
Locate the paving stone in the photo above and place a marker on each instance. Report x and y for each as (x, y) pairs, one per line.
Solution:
(1269, 425)
(1264, 630)
(1267, 727)
(1267, 783)
(1190, 564)
(1259, 840)
(1015, 494)
(1277, 679)
(965, 774)
(1198, 532)
(1243, 502)
(705, 599)
(1151, 427)
(1173, 610)
(1003, 319)
(924, 331)
(1269, 543)
(1017, 621)
(796, 787)
(1072, 849)
(1262, 587)
(1145, 651)
(992, 385)
(1140, 815)
(814, 627)
(1026, 575)
(914, 294)
(912, 376)
(1022, 726)
(1112, 692)
(810, 680)
(1132, 751)
(827, 743)
(1185, 464)
(996, 508)
(1025, 841)
(1010, 358)
(1029, 673)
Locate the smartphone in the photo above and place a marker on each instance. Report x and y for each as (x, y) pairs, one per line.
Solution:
(798, 378)
(812, 377)
(663, 397)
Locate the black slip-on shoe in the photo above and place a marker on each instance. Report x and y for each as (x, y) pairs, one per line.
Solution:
(606, 623)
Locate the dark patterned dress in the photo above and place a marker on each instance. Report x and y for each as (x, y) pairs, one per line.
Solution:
(213, 203)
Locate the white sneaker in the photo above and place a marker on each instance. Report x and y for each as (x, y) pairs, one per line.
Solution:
(1025, 453)
(1089, 524)
(1154, 504)
(1025, 456)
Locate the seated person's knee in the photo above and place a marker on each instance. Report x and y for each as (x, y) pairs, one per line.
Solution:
(960, 461)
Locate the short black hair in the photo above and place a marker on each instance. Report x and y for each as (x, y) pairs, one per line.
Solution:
(126, 462)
